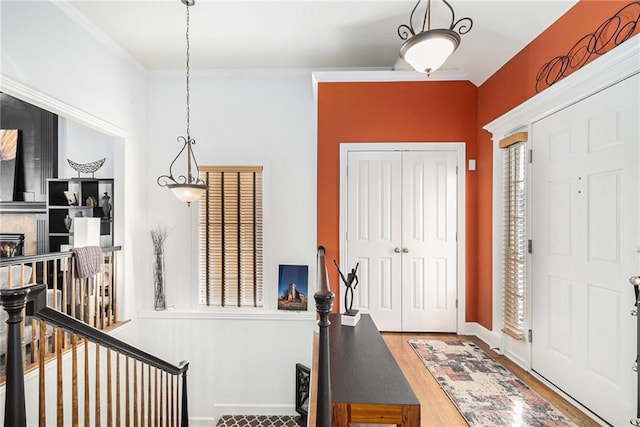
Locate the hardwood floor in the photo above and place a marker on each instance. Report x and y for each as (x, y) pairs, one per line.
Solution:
(436, 408)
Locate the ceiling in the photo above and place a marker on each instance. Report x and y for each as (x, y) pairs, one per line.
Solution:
(320, 34)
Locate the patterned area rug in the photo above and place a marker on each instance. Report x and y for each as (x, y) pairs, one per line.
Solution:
(259, 421)
(485, 393)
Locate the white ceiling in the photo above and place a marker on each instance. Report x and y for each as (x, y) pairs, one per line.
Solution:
(313, 33)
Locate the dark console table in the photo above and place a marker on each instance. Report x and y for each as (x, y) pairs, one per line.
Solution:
(367, 385)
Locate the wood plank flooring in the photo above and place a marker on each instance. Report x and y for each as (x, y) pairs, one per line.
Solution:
(436, 408)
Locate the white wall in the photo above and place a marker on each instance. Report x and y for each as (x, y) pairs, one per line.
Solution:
(240, 363)
(238, 117)
(83, 145)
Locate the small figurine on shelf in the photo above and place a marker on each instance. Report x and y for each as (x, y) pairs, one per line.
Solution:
(91, 202)
(72, 198)
(67, 222)
(106, 206)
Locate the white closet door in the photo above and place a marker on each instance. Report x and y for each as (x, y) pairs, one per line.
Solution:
(585, 234)
(374, 232)
(401, 228)
(429, 241)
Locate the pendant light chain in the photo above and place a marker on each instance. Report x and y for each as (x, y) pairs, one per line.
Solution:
(188, 80)
(186, 186)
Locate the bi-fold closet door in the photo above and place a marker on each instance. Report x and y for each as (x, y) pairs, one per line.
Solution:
(401, 227)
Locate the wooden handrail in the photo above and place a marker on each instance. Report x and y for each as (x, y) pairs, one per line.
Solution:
(28, 259)
(40, 310)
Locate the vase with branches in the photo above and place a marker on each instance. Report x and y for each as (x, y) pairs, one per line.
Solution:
(159, 238)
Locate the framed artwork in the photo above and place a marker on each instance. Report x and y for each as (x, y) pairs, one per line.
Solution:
(293, 287)
(8, 153)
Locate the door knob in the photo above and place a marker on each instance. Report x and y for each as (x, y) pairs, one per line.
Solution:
(405, 250)
(396, 250)
(634, 280)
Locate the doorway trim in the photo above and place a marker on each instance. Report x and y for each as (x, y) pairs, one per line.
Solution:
(460, 149)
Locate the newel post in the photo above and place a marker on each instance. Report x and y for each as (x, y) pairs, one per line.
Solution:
(14, 301)
(184, 421)
(324, 304)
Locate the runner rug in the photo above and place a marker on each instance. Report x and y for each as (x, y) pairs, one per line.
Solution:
(485, 393)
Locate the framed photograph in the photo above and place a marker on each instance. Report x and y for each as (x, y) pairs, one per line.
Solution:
(293, 287)
(8, 154)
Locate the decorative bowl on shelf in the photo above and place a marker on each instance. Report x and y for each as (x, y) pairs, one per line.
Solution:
(91, 167)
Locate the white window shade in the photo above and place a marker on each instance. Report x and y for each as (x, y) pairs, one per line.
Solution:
(515, 243)
(230, 226)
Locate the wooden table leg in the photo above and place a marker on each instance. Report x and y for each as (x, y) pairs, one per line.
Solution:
(411, 415)
(339, 415)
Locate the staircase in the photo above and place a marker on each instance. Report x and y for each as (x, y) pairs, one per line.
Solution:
(107, 382)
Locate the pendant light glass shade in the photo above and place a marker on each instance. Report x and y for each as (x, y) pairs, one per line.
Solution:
(188, 192)
(426, 49)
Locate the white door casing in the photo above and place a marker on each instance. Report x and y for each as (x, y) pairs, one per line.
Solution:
(584, 217)
(401, 227)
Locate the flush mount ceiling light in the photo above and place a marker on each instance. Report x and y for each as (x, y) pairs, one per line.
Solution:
(427, 49)
(186, 187)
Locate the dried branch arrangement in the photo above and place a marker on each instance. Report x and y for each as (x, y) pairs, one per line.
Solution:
(159, 237)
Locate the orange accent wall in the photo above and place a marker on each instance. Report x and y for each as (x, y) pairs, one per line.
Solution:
(442, 111)
(510, 86)
(390, 112)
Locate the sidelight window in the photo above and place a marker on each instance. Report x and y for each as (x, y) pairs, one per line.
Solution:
(230, 225)
(515, 244)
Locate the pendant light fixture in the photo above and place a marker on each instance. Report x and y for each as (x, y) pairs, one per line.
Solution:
(186, 187)
(427, 49)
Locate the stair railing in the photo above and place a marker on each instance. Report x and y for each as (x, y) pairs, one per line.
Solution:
(93, 300)
(161, 403)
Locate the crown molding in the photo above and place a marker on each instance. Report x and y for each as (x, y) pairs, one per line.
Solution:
(381, 75)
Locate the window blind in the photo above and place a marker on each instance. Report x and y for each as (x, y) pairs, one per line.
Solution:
(230, 228)
(514, 239)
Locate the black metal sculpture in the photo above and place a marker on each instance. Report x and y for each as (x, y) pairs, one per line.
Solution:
(348, 282)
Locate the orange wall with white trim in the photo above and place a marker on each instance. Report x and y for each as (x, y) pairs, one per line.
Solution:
(390, 112)
(440, 112)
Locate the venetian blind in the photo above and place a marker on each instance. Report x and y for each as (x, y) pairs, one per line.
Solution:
(230, 225)
(514, 235)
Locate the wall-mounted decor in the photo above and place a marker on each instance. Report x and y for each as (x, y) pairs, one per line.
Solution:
(611, 33)
(293, 287)
(8, 155)
(37, 153)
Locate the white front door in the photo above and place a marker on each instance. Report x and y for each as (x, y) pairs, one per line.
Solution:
(401, 228)
(585, 233)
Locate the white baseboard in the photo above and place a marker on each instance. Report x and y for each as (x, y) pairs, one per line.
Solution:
(202, 422)
(221, 409)
(491, 338)
(568, 398)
